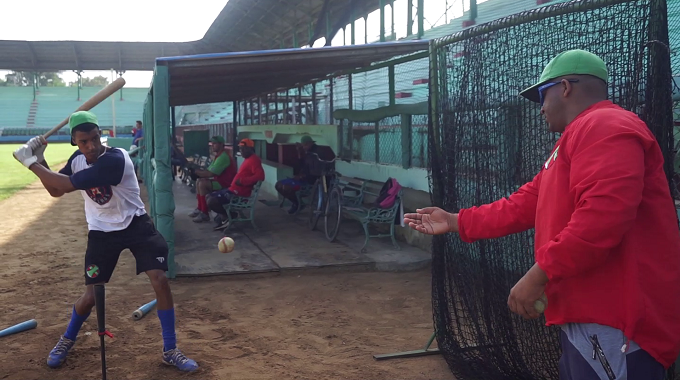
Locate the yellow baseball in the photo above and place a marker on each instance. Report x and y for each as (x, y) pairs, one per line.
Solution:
(541, 304)
(226, 245)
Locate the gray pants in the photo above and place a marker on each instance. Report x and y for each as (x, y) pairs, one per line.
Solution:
(580, 341)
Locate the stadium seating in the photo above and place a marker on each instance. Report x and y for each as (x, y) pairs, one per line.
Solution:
(15, 102)
(55, 103)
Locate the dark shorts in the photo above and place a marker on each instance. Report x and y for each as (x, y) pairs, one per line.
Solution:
(141, 237)
(292, 182)
(578, 364)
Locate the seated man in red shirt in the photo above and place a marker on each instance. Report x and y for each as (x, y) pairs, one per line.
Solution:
(607, 246)
(248, 175)
(218, 175)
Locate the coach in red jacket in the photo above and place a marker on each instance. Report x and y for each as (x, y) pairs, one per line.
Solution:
(607, 244)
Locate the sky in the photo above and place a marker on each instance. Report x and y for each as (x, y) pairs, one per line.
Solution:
(154, 21)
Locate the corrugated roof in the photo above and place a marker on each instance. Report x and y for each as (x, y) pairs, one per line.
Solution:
(87, 55)
(243, 25)
(223, 77)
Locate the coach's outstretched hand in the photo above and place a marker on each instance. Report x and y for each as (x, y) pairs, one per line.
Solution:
(38, 145)
(432, 221)
(25, 155)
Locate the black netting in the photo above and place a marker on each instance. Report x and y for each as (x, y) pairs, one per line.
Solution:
(486, 141)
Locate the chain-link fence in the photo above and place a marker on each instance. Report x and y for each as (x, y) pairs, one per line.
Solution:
(378, 129)
(387, 119)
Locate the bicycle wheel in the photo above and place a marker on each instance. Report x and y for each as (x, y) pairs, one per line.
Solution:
(316, 205)
(333, 214)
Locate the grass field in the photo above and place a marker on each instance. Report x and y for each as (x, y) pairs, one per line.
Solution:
(15, 176)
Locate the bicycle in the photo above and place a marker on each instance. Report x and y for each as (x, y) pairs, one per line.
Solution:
(320, 190)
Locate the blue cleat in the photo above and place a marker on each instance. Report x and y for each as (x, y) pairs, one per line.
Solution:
(58, 354)
(176, 358)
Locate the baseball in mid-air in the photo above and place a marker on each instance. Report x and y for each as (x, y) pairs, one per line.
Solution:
(226, 244)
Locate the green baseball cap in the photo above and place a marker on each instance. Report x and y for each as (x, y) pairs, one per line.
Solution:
(570, 62)
(81, 117)
(78, 118)
(217, 139)
(306, 139)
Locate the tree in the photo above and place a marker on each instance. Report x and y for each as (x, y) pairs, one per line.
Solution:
(26, 78)
(98, 81)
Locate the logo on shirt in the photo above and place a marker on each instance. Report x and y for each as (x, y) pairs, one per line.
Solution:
(551, 159)
(102, 194)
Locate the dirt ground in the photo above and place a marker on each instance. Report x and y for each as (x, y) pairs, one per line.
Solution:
(290, 326)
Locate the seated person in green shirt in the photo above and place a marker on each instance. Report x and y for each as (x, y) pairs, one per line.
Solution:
(218, 175)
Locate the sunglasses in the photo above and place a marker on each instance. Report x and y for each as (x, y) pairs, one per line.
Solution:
(546, 86)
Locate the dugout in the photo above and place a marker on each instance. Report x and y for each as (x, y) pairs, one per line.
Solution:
(256, 82)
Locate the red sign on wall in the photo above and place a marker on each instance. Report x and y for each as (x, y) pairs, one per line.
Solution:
(268, 134)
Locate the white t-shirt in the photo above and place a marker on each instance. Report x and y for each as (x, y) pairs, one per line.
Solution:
(109, 188)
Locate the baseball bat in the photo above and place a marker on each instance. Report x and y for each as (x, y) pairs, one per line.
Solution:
(99, 297)
(141, 312)
(91, 103)
(23, 326)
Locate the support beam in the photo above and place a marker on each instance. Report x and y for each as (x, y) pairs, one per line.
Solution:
(382, 20)
(421, 18)
(392, 86)
(394, 34)
(409, 16)
(234, 133)
(319, 23)
(354, 26)
(366, 29)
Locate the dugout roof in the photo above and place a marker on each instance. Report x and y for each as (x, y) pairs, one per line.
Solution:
(211, 78)
(243, 25)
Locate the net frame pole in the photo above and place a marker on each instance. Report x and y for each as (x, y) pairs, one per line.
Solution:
(426, 351)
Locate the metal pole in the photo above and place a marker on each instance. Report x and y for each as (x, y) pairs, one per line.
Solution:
(173, 124)
(314, 108)
(421, 18)
(394, 35)
(353, 40)
(382, 20)
(113, 107)
(234, 133)
(330, 116)
(409, 16)
(365, 29)
(392, 87)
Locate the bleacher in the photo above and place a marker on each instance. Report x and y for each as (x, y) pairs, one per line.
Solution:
(15, 102)
(54, 104)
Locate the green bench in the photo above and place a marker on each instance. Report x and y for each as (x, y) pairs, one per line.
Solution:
(244, 207)
(355, 206)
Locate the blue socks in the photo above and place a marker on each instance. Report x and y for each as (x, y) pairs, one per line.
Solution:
(75, 324)
(167, 318)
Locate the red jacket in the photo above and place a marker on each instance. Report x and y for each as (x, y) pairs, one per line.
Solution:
(606, 230)
(249, 173)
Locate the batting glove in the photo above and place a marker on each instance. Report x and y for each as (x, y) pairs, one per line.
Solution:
(25, 156)
(38, 145)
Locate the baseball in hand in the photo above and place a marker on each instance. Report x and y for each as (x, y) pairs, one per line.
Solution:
(541, 304)
(226, 245)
